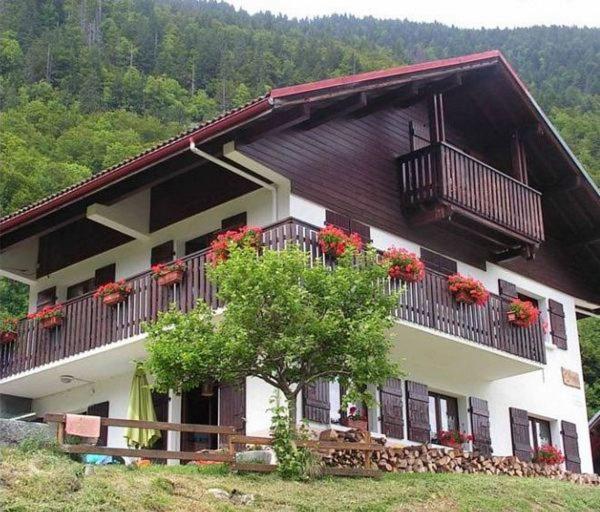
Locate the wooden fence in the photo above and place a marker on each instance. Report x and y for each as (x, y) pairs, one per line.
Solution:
(227, 456)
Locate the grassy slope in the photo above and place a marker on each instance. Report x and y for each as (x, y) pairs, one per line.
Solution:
(42, 481)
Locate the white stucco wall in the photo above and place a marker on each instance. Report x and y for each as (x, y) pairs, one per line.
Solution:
(542, 393)
(114, 390)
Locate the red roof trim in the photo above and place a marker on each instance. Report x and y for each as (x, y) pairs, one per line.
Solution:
(294, 90)
(179, 144)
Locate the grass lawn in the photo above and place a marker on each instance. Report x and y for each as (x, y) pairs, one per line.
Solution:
(44, 481)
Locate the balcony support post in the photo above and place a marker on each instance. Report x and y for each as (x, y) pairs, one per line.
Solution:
(437, 131)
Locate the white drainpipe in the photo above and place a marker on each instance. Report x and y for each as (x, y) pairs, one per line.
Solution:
(239, 172)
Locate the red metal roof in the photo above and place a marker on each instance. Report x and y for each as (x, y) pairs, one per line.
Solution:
(373, 76)
(228, 121)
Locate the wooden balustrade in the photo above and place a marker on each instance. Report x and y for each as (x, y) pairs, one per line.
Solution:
(441, 172)
(89, 324)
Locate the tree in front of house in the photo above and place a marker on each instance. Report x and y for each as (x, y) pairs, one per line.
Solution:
(286, 323)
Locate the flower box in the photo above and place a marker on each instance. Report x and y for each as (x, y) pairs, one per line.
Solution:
(112, 299)
(7, 337)
(334, 242)
(454, 438)
(49, 317)
(172, 277)
(360, 424)
(113, 293)
(522, 313)
(467, 290)
(243, 238)
(404, 265)
(168, 273)
(50, 322)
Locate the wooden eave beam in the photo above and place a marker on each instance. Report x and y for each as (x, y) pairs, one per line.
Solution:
(338, 109)
(390, 98)
(566, 184)
(275, 123)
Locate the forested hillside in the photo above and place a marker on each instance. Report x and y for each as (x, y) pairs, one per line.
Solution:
(86, 83)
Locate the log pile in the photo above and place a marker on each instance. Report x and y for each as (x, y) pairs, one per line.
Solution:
(427, 459)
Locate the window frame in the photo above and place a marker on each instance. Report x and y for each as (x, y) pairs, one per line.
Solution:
(438, 413)
(534, 431)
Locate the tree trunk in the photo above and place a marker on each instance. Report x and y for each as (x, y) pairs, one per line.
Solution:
(292, 410)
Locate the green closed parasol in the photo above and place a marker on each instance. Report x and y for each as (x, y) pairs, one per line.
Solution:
(141, 408)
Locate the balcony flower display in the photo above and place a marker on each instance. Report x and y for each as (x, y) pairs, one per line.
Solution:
(8, 330)
(404, 265)
(49, 316)
(522, 313)
(169, 273)
(356, 418)
(249, 237)
(468, 290)
(334, 242)
(113, 293)
(453, 438)
(548, 454)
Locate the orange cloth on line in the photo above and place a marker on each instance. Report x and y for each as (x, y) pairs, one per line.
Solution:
(82, 425)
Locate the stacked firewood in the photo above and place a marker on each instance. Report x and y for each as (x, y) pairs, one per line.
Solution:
(426, 459)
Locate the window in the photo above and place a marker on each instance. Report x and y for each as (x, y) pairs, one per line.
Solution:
(539, 432)
(79, 289)
(443, 414)
(524, 297)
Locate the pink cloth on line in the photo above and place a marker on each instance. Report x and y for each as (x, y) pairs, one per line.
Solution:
(82, 425)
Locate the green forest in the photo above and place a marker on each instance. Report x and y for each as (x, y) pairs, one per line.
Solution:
(87, 83)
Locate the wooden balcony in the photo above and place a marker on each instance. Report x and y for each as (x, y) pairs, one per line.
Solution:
(88, 324)
(440, 182)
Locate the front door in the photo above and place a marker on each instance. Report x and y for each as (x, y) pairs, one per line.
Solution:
(200, 410)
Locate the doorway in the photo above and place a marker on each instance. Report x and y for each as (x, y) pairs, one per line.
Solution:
(199, 410)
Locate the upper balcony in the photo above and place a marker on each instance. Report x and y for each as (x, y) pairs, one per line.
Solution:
(440, 182)
(88, 324)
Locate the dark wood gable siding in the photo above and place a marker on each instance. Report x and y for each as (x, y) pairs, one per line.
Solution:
(349, 165)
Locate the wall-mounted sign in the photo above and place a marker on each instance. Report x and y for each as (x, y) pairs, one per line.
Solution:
(571, 378)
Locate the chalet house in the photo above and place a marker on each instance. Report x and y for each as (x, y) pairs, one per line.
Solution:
(452, 160)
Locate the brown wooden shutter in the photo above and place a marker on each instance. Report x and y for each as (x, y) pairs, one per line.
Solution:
(362, 229)
(200, 243)
(101, 409)
(570, 446)
(105, 275)
(392, 421)
(235, 221)
(417, 410)
(162, 253)
(46, 297)
(557, 324)
(507, 290)
(79, 289)
(438, 263)
(338, 220)
(519, 428)
(316, 406)
(480, 426)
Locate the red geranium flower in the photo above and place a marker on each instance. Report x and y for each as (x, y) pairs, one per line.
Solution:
(468, 290)
(404, 265)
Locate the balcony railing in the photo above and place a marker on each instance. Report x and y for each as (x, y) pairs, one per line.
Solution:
(89, 324)
(441, 172)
